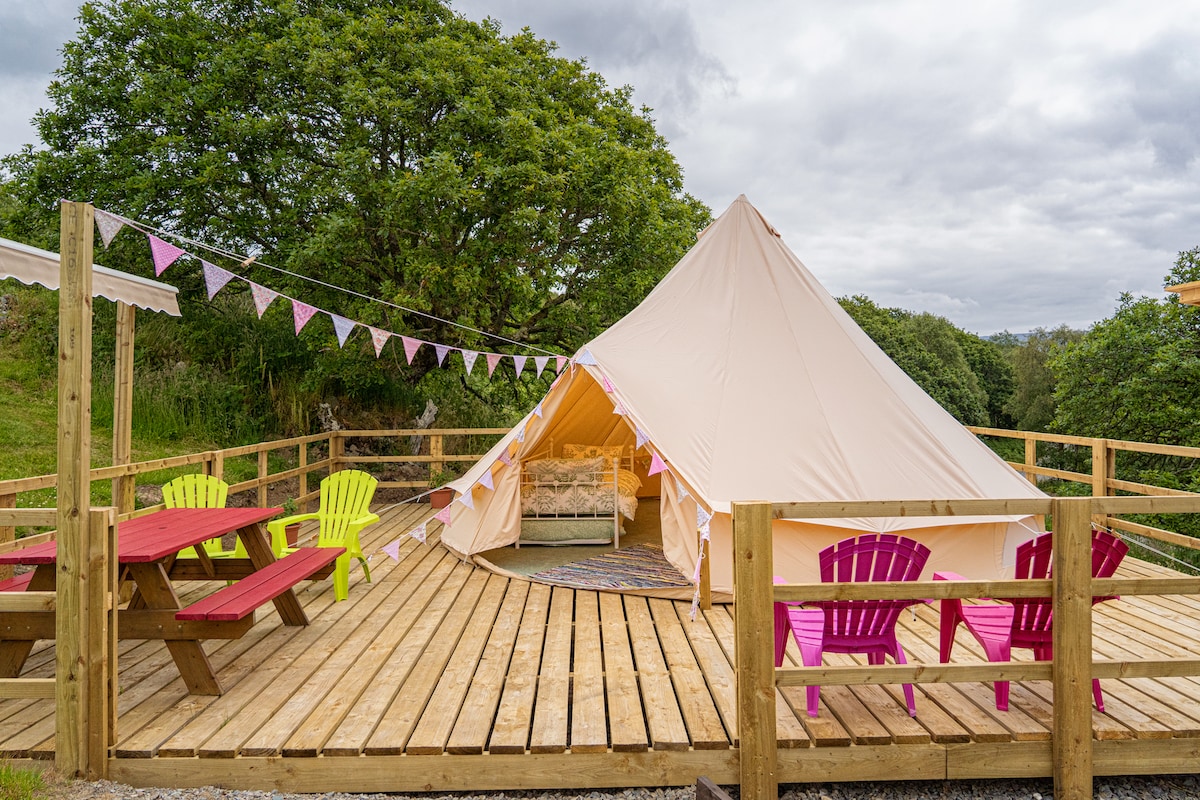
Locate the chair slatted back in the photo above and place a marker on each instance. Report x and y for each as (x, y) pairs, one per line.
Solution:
(870, 557)
(195, 491)
(345, 496)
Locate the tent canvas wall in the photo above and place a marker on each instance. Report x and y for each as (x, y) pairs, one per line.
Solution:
(752, 383)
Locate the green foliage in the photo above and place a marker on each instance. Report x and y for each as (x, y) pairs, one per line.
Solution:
(966, 375)
(17, 783)
(393, 148)
(1031, 405)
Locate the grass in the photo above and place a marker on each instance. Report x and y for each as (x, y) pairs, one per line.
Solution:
(21, 784)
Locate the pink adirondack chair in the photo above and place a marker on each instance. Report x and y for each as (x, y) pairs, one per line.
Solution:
(1024, 621)
(853, 626)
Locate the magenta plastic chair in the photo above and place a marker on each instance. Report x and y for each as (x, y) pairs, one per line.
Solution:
(1025, 621)
(853, 626)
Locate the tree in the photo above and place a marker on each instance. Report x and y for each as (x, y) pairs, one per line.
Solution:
(1030, 406)
(390, 147)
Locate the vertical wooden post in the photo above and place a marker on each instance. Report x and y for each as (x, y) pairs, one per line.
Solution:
(753, 591)
(1101, 469)
(8, 533)
(100, 661)
(337, 450)
(123, 486)
(77, 622)
(112, 600)
(1072, 649)
(1030, 457)
(262, 473)
(218, 464)
(303, 490)
(435, 451)
(705, 576)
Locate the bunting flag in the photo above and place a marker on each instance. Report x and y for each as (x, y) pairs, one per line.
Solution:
(696, 574)
(682, 490)
(519, 363)
(418, 533)
(263, 297)
(559, 363)
(108, 225)
(540, 362)
(441, 350)
(392, 549)
(537, 410)
(379, 338)
(443, 516)
(703, 518)
(521, 434)
(505, 458)
(586, 358)
(642, 438)
(492, 360)
(467, 500)
(215, 279)
(657, 465)
(411, 346)
(486, 480)
(607, 384)
(619, 409)
(164, 253)
(469, 357)
(302, 313)
(342, 327)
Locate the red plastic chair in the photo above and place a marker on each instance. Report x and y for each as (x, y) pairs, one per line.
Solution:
(853, 626)
(1024, 621)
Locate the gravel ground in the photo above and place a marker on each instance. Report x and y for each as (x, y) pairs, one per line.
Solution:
(1171, 787)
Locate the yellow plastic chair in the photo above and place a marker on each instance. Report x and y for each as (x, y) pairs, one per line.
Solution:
(200, 491)
(345, 510)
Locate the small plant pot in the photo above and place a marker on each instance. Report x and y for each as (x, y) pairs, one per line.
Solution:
(440, 498)
(292, 533)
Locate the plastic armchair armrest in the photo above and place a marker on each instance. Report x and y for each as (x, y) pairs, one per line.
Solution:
(278, 537)
(352, 529)
(946, 575)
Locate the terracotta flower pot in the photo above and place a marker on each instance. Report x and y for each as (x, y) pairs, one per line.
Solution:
(440, 498)
(292, 533)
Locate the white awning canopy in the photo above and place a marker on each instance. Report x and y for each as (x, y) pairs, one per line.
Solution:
(32, 265)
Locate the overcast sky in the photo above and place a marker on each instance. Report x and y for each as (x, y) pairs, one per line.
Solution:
(1006, 165)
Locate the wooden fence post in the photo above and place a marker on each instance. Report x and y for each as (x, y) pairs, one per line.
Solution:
(1030, 457)
(1102, 470)
(123, 486)
(337, 451)
(1072, 668)
(435, 452)
(8, 533)
(705, 576)
(262, 474)
(754, 630)
(302, 462)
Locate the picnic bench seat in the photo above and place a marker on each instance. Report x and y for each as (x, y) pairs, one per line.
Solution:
(241, 598)
(17, 583)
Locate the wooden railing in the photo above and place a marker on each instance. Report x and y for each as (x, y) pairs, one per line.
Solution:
(1071, 588)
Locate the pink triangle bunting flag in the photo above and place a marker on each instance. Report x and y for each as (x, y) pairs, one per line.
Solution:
(642, 438)
(302, 313)
(411, 346)
(263, 297)
(342, 327)
(538, 410)
(505, 458)
(586, 358)
(467, 500)
(443, 516)
(392, 550)
(657, 465)
(493, 359)
(442, 350)
(486, 480)
(379, 338)
(469, 357)
(619, 409)
(559, 363)
(696, 574)
(519, 363)
(215, 278)
(108, 225)
(682, 490)
(607, 384)
(164, 253)
(540, 362)
(419, 532)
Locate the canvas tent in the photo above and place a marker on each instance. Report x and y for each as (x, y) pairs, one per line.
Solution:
(752, 383)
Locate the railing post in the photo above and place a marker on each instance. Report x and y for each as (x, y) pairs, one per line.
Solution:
(8, 533)
(754, 627)
(303, 464)
(1102, 470)
(123, 486)
(262, 474)
(1072, 649)
(1030, 457)
(337, 450)
(435, 452)
(705, 576)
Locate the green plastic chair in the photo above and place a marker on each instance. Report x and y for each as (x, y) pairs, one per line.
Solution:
(345, 510)
(201, 491)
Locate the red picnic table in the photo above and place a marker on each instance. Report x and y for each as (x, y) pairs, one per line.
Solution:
(147, 550)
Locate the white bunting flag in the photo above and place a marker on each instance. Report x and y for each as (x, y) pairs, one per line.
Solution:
(540, 362)
(521, 434)
(164, 253)
(505, 458)
(411, 346)
(559, 363)
(703, 518)
(486, 480)
(586, 359)
(467, 500)
(418, 533)
(263, 297)
(392, 550)
(537, 410)
(619, 409)
(301, 314)
(379, 338)
(519, 363)
(441, 350)
(657, 465)
(215, 278)
(342, 327)
(108, 225)
(642, 438)
(469, 357)
(443, 516)
(493, 359)
(682, 490)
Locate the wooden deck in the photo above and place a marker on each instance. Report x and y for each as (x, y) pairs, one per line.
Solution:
(439, 676)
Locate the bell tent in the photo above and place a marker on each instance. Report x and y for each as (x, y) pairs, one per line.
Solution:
(749, 382)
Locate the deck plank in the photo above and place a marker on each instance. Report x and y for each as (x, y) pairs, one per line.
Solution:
(625, 718)
(714, 666)
(549, 734)
(664, 719)
(514, 718)
(589, 726)
(699, 710)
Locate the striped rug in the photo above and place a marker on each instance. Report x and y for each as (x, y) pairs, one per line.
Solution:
(642, 566)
